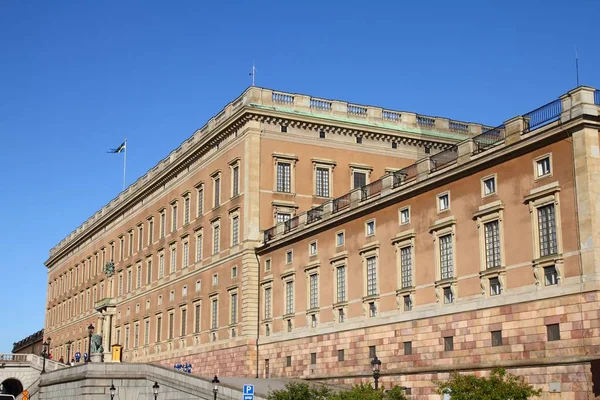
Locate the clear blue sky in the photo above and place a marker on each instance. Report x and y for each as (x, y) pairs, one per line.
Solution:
(76, 77)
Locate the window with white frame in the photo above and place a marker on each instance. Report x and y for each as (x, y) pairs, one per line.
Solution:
(406, 266)
(550, 276)
(284, 176)
(322, 182)
(289, 256)
(235, 229)
(448, 295)
(184, 291)
(282, 217)
(163, 223)
(216, 231)
(446, 257)
(174, 217)
(543, 166)
(140, 245)
(359, 179)
(289, 297)
(216, 190)
(130, 246)
(199, 200)
(443, 202)
(172, 295)
(198, 285)
(492, 243)
(488, 185)
(197, 317)
(214, 313)
(215, 279)
(183, 321)
(146, 332)
(121, 249)
(405, 215)
(173, 258)
(138, 276)
(371, 275)
(199, 246)
(267, 303)
(233, 304)
(547, 230)
(312, 248)
(495, 286)
(186, 254)
(186, 208)
(171, 325)
(129, 281)
(268, 265)
(150, 230)
(136, 334)
(340, 275)
(235, 178)
(313, 290)
(370, 228)
(158, 328)
(339, 239)
(234, 272)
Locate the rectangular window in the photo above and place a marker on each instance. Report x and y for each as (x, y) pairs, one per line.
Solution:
(496, 338)
(443, 202)
(282, 217)
(198, 285)
(446, 257)
(313, 358)
(215, 279)
(158, 329)
(148, 272)
(215, 310)
(140, 237)
(553, 331)
(130, 243)
(234, 272)
(407, 348)
(163, 224)
(372, 309)
(121, 249)
(341, 283)
(492, 244)
(161, 265)
(489, 186)
(235, 230)
(197, 310)
(406, 266)
(288, 361)
(289, 256)
(340, 355)
(547, 230)
(407, 303)
(136, 335)
(174, 217)
(339, 239)
(284, 177)
(322, 182)
(448, 295)
(126, 337)
(120, 289)
(371, 276)
(217, 188)
(171, 325)
(186, 210)
(268, 303)
(359, 180)
(313, 248)
(183, 322)
(404, 216)
(233, 300)
(495, 287)
(314, 291)
(146, 332)
(370, 228)
(138, 277)
(449, 343)
(150, 231)
(372, 352)
(184, 291)
(216, 238)
(186, 254)
(200, 194)
(289, 297)
(173, 259)
(235, 172)
(198, 247)
(341, 315)
(550, 276)
(543, 167)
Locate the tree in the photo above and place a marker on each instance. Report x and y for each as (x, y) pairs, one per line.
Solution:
(498, 386)
(367, 392)
(300, 391)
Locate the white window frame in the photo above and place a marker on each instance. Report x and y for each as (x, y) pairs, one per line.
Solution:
(493, 177)
(200, 199)
(232, 165)
(441, 228)
(401, 212)
(536, 163)
(439, 202)
(328, 165)
(187, 208)
(313, 245)
(361, 169)
(343, 236)
(174, 215)
(233, 241)
(217, 192)
(367, 234)
(215, 240)
(486, 214)
(400, 242)
(199, 243)
(282, 158)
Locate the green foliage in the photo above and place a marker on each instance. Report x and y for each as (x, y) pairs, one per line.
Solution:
(303, 391)
(498, 386)
(300, 391)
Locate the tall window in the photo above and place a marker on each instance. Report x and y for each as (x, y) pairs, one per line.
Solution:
(130, 242)
(183, 321)
(217, 188)
(150, 231)
(163, 222)
(492, 244)
(216, 238)
(214, 316)
(186, 254)
(121, 248)
(446, 257)
(233, 300)
(146, 332)
(268, 303)
(200, 194)
(359, 179)
(284, 177)
(289, 297)
(136, 335)
(198, 247)
(235, 230)
(161, 265)
(126, 337)
(138, 277)
(171, 325)
(197, 310)
(158, 328)
(314, 291)
(406, 266)
(371, 276)
(186, 210)
(140, 237)
(322, 183)
(120, 288)
(174, 217)
(235, 172)
(547, 230)
(173, 259)
(341, 283)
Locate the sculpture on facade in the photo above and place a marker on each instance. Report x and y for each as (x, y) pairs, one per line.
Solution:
(109, 268)
(97, 344)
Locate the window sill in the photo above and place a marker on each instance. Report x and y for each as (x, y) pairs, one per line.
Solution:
(370, 298)
(405, 290)
(494, 271)
(313, 311)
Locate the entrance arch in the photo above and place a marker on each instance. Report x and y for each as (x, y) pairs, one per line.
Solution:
(12, 386)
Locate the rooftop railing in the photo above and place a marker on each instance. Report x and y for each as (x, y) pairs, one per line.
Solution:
(543, 115)
(597, 97)
(489, 138)
(443, 158)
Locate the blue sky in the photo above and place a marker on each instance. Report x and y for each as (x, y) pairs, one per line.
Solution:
(76, 77)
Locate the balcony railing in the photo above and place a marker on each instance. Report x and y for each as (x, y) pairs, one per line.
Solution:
(425, 121)
(458, 126)
(341, 203)
(489, 138)
(357, 110)
(370, 190)
(314, 214)
(320, 104)
(291, 224)
(282, 98)
(391, 115)
(443, 158)
(543, 115)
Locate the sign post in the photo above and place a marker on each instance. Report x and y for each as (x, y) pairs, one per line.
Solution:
(248, 392)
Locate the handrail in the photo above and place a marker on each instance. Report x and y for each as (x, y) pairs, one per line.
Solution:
(370, 190)
(597, 97)
(543, 115)
(443, 158)
(489, 139)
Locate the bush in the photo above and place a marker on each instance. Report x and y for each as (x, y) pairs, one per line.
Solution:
(300, 391)
(498, 386)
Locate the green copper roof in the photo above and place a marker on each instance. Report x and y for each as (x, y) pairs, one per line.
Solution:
(338, 118)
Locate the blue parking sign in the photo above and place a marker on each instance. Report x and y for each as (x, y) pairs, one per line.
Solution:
(248, 392)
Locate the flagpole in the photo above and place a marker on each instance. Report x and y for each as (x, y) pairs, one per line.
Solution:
(124, 163)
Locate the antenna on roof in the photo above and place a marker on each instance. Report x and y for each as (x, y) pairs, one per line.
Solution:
(576, 65)
(253, 73)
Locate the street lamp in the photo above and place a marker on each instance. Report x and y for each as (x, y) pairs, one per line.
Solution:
(216, 382)
(112, 390)
(90, 333)
(376, 364)
(69, 343)
(155, 388)
(45, 353)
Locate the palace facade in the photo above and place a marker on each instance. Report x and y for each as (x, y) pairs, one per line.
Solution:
(294, 236)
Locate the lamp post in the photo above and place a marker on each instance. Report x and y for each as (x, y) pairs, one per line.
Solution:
(69, 343)
(376, 364)
(155, 388)
(45, 353)
(112, 390)
(90, 333)
(215, 382)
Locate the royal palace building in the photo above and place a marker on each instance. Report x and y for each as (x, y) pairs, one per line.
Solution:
(295, 236)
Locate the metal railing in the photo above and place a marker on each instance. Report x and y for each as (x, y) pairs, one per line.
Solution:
(341, 203)
(443, 158)
(488, 139)
(291, 224)
(370, 190)
(404, 175)
(314, 214)
(425, 121)
(543, 115)
(597, 97)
